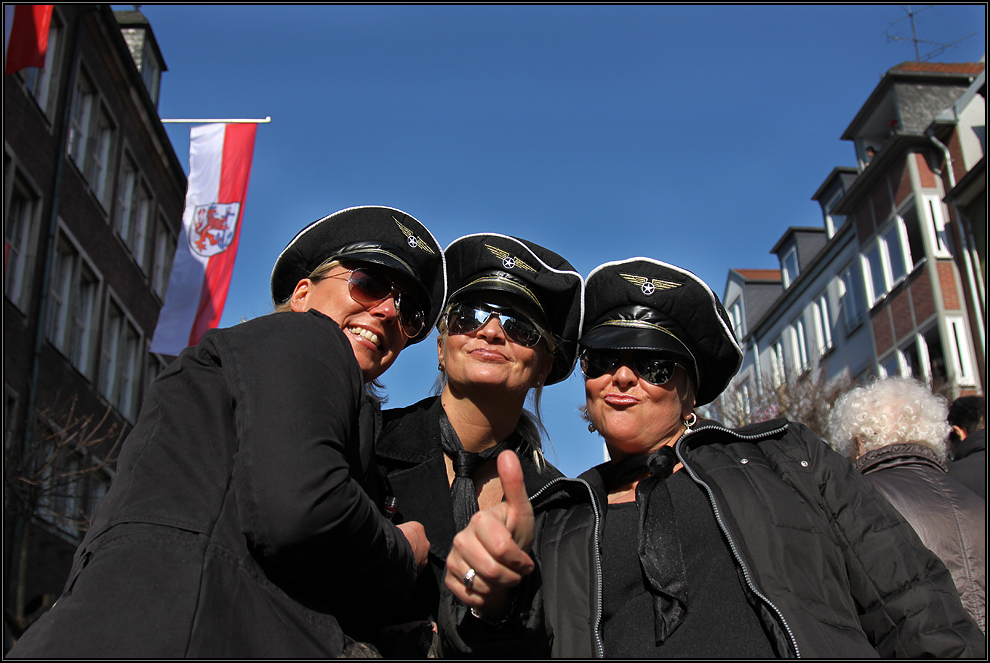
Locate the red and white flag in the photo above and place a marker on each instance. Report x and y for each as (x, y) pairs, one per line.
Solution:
(219, 169)
(25, 36)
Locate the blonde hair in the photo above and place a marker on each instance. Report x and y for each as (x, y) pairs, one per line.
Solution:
(317, 275)
(891, 411)
(530, 426)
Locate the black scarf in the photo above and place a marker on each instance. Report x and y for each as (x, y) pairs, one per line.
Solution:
(462, 490)
(659, 548)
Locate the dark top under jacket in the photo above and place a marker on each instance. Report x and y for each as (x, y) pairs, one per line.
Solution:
(830, 567)
(410, 455)
(236, 525)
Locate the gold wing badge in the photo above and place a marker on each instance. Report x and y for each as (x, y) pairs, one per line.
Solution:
(649, 286)
(412, 240)
(508, 260)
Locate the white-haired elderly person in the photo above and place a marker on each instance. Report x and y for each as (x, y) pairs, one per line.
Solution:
(895, 432)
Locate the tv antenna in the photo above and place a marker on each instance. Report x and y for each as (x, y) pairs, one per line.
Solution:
(939, 48)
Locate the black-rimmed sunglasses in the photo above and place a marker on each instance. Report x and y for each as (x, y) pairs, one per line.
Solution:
(465, 318)
(654, 367)
(369, 287)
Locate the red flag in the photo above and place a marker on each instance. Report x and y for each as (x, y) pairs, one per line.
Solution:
(25, 36)
(219, 170)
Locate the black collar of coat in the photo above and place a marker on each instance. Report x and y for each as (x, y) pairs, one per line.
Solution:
(414, 447)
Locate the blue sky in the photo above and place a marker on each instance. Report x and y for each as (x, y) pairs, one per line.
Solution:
(691, 134)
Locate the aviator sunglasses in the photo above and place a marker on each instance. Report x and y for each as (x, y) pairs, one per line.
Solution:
(369, 287)
(654, 367)
(465, 318)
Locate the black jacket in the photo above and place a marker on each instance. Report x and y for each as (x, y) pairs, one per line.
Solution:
(410, 455)
(969, 467)
(236, 525)
(832, 569)
(950, 519)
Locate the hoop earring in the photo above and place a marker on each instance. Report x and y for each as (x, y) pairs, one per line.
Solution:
(691, 420)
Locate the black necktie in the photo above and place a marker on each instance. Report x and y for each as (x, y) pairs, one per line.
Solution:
(462, 490)
(659, 548)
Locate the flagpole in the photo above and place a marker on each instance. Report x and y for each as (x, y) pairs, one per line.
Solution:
(242, 121)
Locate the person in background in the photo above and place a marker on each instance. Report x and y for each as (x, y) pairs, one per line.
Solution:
(237, 524)
(968, 443)
(695, 540)
(509, 329)
(895, 432)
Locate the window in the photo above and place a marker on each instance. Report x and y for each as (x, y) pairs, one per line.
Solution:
(890, 367)
(887, 260)
(932, 342)
(823, 323)
(133, 209)
(914, 232)
(850, 300)
(801, 345)
(936, 224)
(833, 221)
(120, 369)
(164, 253)
(744, 401)
(90, 137)
(778, 363)
(150, 71)
(735, 316)
(72, 305)
(40, 82)
(958, 346)
(789, 267)
(19, 223)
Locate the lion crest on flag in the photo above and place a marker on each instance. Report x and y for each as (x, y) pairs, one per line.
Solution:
(213, 227)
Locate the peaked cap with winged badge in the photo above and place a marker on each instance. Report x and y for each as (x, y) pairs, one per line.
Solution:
(540, 277)
(642, 303)
(382, 236)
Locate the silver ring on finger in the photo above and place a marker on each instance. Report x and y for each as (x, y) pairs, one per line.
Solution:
(468, 578)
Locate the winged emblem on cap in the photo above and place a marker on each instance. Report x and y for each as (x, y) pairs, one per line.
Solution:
(649, 286)
(508, 260)
(412, 240)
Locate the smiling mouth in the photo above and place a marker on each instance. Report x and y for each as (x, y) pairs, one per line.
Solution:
(366, 334)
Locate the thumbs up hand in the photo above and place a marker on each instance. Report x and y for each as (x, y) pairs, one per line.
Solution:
(490, 556)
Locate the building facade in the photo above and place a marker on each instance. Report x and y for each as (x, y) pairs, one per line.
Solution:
(893, 282)
(93, 199)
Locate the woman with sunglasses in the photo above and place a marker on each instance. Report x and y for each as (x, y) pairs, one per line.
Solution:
(694, 540)
(509, 329)
(238, 523)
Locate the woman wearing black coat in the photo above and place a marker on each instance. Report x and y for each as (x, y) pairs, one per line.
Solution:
(695, 541)
(508, 329)
(237, 524)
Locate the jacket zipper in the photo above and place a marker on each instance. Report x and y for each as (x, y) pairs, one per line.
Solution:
(599, 645)
(721, 523)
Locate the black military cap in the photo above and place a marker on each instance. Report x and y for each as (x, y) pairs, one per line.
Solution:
(493, 262)
(641, 303)
(379, 235)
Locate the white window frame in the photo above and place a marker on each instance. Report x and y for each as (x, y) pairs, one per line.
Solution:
(778, 362)
(830, 227)
(120, 365)
(934, 224)
(74, 295)
(849, 298)
(133, 209)
(785, 271)
(98, 161)
(881, 243)
(823, 323)
(165, 245)
(957, 348)
(83, 100)
(40, 81)
(20, 224)
(799, 337)
(736, 316)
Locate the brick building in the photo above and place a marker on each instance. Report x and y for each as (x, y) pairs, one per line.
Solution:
(894, 281)
(93, 198)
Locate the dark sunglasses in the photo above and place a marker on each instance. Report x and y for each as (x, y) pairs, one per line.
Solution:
(465, 318)
(369, 287)
(654, 367)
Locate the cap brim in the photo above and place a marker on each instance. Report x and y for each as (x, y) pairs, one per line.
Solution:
(498, 283)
